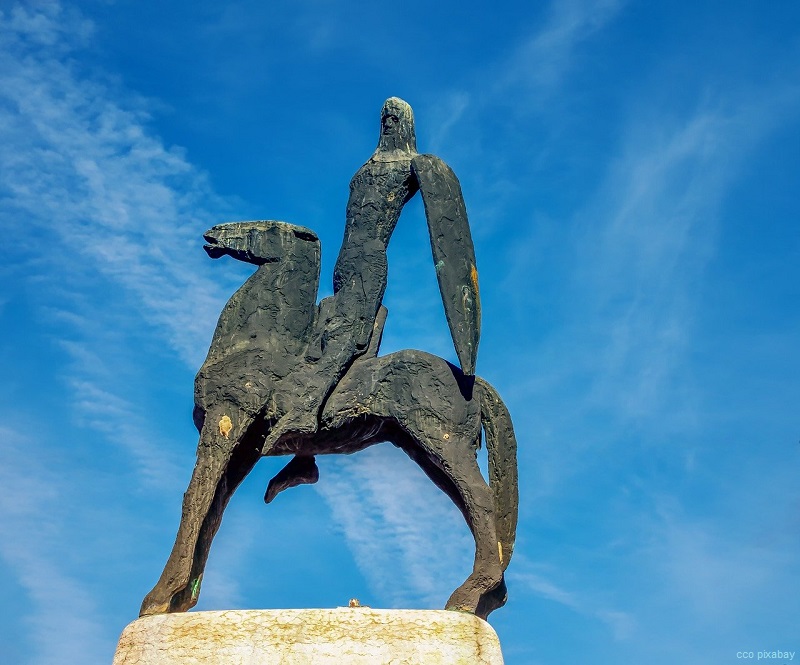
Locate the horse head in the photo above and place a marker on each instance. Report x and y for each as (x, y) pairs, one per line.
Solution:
(264, 329)
(259, 242)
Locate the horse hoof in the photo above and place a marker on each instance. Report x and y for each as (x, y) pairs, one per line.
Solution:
(151, 606)
(459, 608)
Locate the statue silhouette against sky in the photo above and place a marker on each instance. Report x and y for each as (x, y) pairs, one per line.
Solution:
(285, 376)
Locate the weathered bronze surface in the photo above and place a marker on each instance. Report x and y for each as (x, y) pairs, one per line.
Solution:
(287, 376)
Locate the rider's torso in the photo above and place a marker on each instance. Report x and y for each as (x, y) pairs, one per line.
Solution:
(378, 191)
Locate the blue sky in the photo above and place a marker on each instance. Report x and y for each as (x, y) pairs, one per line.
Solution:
(631, 174)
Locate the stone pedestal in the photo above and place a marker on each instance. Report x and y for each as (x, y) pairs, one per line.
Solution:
(345, 636)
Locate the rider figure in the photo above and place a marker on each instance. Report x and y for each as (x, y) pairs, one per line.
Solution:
(378, 192)
(346, 320)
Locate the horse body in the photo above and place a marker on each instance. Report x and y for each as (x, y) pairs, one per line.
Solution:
(415, 400)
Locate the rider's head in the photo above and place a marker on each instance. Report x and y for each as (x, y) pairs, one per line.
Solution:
(397, 126)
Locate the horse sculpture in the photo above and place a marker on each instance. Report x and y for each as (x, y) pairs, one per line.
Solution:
(419, 402)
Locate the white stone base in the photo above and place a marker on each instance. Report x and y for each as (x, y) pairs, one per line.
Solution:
(357, 636)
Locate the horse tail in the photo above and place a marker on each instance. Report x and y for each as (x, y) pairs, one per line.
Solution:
(501, 444)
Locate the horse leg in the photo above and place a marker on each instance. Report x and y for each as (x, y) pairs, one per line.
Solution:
(456, 472)
(242, 461)
(203, 501)
(476, 594)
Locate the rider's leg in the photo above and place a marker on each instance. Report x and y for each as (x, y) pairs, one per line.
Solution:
(304, 391)
(346, 335)
(301, 470)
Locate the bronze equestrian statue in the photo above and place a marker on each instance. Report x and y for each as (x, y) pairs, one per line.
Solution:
(285, 376)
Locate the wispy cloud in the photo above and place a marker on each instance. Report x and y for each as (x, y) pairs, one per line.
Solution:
(102, 204)
(650, 234)
(538, 581)
(444, 116)
(96, 385)
(718, 576)
(641, 247)
(616, 376)
(645, 260)
(87, 172)
(407, 538)
(512, 89)
(540, 62)
(33, 521)
(726, 568)
(95, 202)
